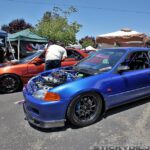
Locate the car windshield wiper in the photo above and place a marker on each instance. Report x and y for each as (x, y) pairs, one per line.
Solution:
(88, 71)
(104, 69)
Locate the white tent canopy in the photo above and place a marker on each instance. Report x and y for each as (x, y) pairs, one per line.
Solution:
(123, 37)
(120, 33)
(90, 48)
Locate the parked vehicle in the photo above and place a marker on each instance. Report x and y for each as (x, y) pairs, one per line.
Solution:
(82, 93)
(13, 75)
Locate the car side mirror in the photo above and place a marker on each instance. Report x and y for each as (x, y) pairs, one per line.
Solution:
(123, 68)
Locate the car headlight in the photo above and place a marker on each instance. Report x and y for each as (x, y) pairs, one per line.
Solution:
(46, 96)
(40, 94)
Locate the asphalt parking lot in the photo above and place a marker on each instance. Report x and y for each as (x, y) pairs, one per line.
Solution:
(124, 126)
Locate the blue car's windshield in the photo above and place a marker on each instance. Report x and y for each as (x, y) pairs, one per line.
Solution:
(103, 60)
(29, 58)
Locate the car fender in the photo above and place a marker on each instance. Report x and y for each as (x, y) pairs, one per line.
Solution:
(14, 69)
(5, 74)
(90, 90)
(70, 90)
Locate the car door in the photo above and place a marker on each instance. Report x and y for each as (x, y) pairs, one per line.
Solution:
(131, 84)
(36, 66)
(34, 69)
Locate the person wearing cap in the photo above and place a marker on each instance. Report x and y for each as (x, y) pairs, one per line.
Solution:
(55, 53)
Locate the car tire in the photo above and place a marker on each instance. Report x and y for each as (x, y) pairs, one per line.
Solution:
(9, 83)
(85, 109)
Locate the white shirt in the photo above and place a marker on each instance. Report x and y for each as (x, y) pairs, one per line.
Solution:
(55, 52)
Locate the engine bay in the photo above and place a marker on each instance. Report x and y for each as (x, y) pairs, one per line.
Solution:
(58, 77)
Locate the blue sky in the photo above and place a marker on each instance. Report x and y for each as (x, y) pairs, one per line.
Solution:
(96, 16)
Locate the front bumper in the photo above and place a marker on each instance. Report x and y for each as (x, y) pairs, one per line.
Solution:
(42, 124)
(44, 114)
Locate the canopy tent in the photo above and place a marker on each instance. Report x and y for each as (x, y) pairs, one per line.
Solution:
(25, 35)
(124, 37)
(90, 48)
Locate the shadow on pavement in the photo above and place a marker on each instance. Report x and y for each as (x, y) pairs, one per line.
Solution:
(125, 107)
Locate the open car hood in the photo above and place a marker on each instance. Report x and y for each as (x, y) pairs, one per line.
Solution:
(53, 79)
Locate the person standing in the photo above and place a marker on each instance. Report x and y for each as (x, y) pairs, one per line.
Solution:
(55, 53)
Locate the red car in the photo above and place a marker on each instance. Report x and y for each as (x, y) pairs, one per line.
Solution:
(14, 75)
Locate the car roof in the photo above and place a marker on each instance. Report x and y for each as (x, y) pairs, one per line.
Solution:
(130, 48)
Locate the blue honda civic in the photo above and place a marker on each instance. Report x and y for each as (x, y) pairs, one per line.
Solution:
(83, 92)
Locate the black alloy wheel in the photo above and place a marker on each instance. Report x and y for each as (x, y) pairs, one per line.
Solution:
(9, 83)
(85, 109)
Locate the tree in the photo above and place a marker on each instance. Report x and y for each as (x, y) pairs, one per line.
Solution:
(54, 25)
(16, 25)
(87, 41)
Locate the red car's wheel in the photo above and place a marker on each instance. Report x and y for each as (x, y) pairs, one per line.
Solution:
(9, 83)
(85, 109)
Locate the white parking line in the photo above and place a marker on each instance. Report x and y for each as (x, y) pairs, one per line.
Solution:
(19, 102)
